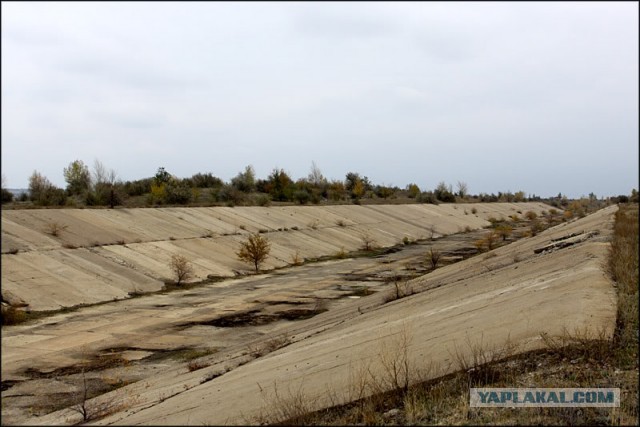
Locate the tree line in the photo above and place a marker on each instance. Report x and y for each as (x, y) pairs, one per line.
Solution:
(102, 187)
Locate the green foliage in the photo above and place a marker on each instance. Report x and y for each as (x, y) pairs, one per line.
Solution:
(301, 196)
(443, 193)
(104, 194)
(228, 194)
(384, 191)
(138, 187)
(162, 176)
(157, 193)
(245, 181)
(280, 186)
(176, 193)
(43, 192)
(427, 197)
(77, 177)
(356, 185)
(413, 190)
(263, 200)
(7, 196)
(337, 191)
(207, 180)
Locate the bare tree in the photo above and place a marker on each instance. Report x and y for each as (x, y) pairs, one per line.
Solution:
(181, 267)
(254, 250)
(433, 256)
(82, 406)
(368, 242)
(315, 175)
(104, 181)
(463, 189)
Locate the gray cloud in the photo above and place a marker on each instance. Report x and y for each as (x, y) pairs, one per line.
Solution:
(541, 97)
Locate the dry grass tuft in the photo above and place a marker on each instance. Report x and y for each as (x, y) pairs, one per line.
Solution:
(55, 228)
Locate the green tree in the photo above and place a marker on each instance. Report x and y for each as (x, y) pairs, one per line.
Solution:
(384, 192)
(280, 185)
(43, 192)
(77, 177)
(443, 192)
(162, 176)
(245, 181)
(413, 190)
(336, 190)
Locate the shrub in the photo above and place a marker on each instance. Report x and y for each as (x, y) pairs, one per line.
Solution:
(54, 229)
(491, 238)
(504, 231)
(400, 290)
(427, 197)
(368, 242)
(413, 191)
(207, 180)
(245, 181)
(43, 192)
(433, 256)
(228, 194)
(530, 215)
(444, 193)
(474, 211)
(7, 196)
(296, 259)
(301, 196)
(12, 315)
(138, 187)
(341, 254)
(263, 200)
(535, 227)
(254, 250)
(182, 268)
(177, 194)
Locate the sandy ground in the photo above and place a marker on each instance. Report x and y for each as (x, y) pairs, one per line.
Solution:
(515, 294)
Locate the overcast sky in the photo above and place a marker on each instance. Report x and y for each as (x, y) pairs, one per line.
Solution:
(538, 97)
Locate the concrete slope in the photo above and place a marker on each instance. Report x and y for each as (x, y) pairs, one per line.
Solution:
(103, 254)
(485, 300)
